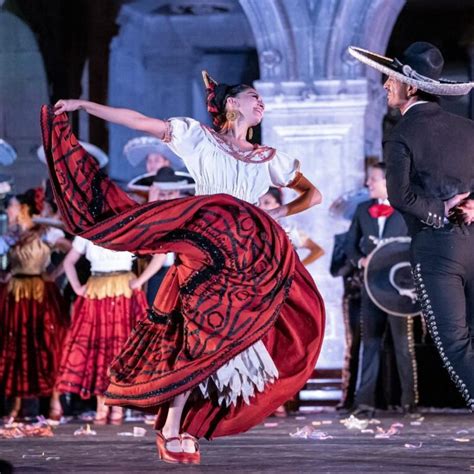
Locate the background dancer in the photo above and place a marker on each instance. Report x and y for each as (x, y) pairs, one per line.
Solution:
(215, 332)
(33, 315)
(105, 311)
(163, 185)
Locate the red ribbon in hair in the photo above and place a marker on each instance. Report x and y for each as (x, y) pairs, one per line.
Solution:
(380, 210)
(212, 108)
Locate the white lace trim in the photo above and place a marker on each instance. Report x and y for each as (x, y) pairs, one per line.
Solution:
(250, 370)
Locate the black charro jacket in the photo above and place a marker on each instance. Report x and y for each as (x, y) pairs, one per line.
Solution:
(430, 158)
(363, 234)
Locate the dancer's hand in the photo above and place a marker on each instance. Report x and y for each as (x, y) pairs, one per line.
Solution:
(453, 202)
(66, 106)
(81, 291)
(135, 284)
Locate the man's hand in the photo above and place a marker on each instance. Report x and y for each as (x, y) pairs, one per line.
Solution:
(453, 202)
(467, 209)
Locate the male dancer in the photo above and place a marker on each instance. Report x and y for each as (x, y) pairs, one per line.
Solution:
(430, 177)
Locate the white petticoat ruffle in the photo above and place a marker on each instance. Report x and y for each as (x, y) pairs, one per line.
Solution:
(247, 372)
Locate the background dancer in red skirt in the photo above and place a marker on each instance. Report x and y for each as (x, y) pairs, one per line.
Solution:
(32, 312)
(238, 321)
(103, 316)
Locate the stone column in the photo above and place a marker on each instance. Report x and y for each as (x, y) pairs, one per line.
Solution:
(321, 123)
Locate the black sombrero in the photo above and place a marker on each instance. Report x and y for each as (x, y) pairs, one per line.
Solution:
(165, 178)
(420, 66)
(388, 279)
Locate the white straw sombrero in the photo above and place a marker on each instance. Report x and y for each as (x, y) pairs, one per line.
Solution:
(137, 149)
(93, 150)
(7, 153)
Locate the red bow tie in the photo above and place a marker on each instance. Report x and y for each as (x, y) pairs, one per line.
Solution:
(380, 210)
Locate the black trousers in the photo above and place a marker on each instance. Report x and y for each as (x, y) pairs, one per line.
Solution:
(352, 327)
(443, 268)
(374, 324)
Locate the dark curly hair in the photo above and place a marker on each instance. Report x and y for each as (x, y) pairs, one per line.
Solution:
(217, 96)
(276, 194)
(33, 199)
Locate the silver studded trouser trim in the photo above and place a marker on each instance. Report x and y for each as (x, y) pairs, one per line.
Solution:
(430, 319)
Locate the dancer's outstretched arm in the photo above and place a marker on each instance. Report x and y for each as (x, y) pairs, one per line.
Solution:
(126, 117)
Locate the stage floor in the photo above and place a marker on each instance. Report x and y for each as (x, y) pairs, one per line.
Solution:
(439, 442)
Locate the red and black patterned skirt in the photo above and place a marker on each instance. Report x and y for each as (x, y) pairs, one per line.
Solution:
(33, 320)
(102, 321)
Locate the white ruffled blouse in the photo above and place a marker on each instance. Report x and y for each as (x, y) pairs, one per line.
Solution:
(218, 167)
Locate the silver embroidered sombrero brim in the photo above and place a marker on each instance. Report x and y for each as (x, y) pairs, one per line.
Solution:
(407, 75)
(93, 150)
(137, 149)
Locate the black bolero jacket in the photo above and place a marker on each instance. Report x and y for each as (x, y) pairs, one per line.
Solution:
(430, 158)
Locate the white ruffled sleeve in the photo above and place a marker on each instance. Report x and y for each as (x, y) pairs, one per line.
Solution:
(185, 137)
(283, 169)
(80, 244)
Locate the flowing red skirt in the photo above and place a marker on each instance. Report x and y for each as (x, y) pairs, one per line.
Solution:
(31, 338)
(100, 328)
(236, 280)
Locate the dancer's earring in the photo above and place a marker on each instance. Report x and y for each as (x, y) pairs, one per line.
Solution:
(250, 133)
(232, 115)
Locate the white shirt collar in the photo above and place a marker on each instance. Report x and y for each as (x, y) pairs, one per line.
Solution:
(418, 102)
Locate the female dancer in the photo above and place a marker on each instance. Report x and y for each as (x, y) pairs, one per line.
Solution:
(237, 321)
(33, 315)
(103, 315)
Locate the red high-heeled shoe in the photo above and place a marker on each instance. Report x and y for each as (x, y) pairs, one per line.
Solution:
(191, 458)
(166, 455)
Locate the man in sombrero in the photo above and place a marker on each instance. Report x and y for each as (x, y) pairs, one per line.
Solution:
(430, 177)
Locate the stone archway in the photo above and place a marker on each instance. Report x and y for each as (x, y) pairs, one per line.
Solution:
(23, 89)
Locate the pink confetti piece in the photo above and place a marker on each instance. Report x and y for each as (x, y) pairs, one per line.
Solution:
(270, 425)
(462, 440)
